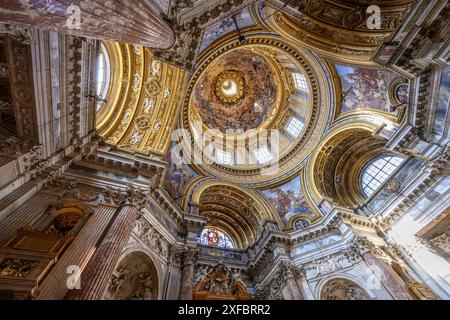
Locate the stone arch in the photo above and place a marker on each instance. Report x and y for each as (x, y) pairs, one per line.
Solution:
(134, 278)
(123, 120)
(335, 167)
(341, 288)
(237, 210)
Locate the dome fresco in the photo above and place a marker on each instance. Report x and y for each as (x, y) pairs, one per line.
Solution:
(236, 91)
(263, 107)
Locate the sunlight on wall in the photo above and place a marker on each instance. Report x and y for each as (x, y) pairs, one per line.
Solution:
(433, 264)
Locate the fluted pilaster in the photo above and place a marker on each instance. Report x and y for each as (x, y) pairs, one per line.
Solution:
(95, 277)
(187, 273)
(77, 254)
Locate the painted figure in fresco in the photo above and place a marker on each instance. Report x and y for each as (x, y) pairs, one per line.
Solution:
(243, 19)
(402, 93)
(364, 88)
(179, 173)
(180, 177)
(368, 89)
(301, 224)
(282, 202)
(288, 199)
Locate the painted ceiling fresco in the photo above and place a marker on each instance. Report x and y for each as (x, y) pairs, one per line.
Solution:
(227, 25)
(178, 173)
(288, 199)
(259, 92)
(367, 88)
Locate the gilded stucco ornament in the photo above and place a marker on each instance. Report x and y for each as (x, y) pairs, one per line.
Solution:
(142, 102)
(16, 268)
(338, 30)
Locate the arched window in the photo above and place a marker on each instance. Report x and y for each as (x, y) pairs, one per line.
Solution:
(214, 237)
(263, 155)
(300, 81)
(102, 76)
(377, 172)
(224, 157)
(294, 127)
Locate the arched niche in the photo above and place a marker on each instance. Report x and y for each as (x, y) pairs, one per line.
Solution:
(134, 278)
(342, 289)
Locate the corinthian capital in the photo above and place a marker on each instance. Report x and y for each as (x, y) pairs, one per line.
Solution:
(363, 245)
(130, 196)
(136, 196)
(190, 256)
(286, 270)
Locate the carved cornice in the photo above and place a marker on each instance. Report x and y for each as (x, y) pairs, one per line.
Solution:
(19, 34)
(168, 205)
(431, 32)
(129, 165)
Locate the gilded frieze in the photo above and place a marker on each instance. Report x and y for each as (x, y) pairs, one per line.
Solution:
(337, 29)
(142, 107)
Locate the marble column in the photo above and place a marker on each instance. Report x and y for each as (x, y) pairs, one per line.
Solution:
(95, 277)
(187, 273)
(127, 21)
(174, 277)
(303, 285)
(291, 290)
(373, 256)
(77, 254)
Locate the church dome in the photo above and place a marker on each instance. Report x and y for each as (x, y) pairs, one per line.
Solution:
(252, 112)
